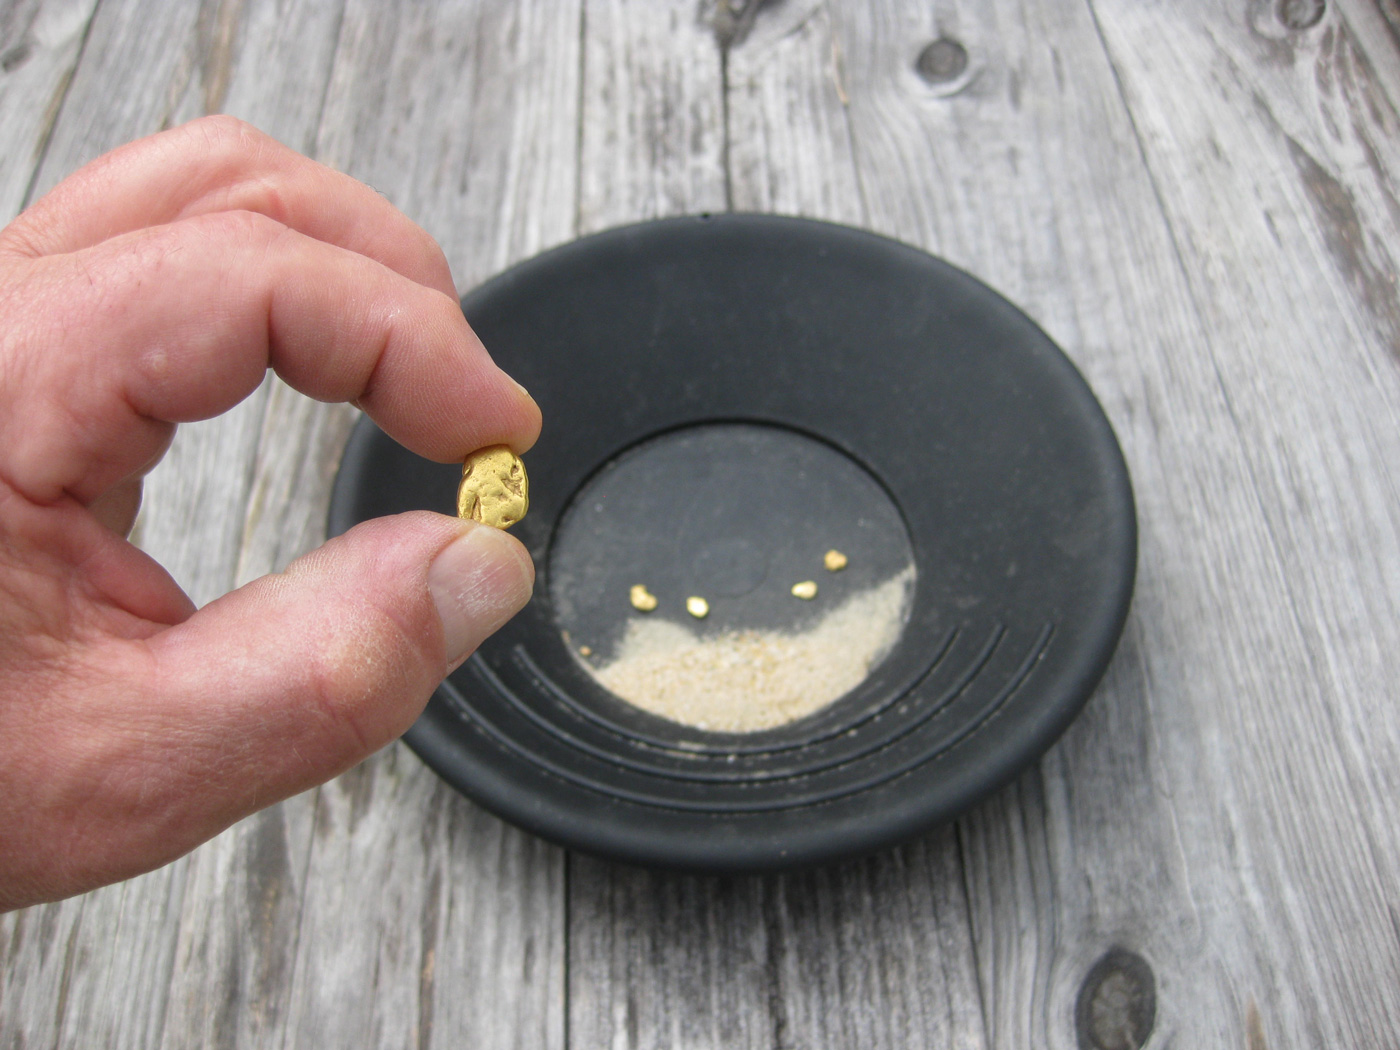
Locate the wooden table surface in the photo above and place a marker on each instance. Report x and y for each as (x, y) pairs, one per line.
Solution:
(1200, 201)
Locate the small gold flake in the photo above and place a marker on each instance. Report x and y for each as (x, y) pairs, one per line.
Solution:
(834, 560)
(585, 650)
(697, 607)
(494, 488)
(642, 599)
(806, 590)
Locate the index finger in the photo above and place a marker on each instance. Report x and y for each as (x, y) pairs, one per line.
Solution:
(180, 322)
(223, 164)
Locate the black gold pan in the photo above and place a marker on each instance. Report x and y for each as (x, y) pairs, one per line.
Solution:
(864, 396)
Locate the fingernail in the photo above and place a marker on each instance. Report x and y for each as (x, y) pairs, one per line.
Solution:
(478, 582)
(528, 396)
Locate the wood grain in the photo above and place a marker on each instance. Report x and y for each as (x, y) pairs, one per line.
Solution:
(807, 960)
(869, 954)
(1196, 773)
(1083, 854)
(1198, 201)
(1088, 853)
(40, 42)
(1307, 358)
(126, 937)
(652, 960)
(454, 921)
(245, 494)
(651, 117)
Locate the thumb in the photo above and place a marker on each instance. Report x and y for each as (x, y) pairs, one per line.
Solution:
(295, 677)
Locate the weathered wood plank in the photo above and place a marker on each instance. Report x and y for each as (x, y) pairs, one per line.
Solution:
(267, 63)
(116, 984)
(1307, 358)
(93, 969)
(423, 921)
(790, 148)
(868, 954)
(658, 960)
(40, 41)
(651, 134)
(1198, 202)
(661, 960)
(875, 954)
(1192, 815)
(871, 954)
(982, 201)
(268, 466)
(1374, 27)
(998, 163)
(468, 124)
(270, 65)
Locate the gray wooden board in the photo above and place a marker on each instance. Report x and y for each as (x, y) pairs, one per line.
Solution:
(1198, 201)
(424, 921)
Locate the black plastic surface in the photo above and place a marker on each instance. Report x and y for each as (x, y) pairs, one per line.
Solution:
(1012, 491)
(734, 512)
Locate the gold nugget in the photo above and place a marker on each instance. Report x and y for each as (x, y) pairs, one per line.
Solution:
(697, 607)
(834, 560)
(642, 599)
(806, 590)
(494, 489)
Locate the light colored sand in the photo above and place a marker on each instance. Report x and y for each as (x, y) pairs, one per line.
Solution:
(743, 681)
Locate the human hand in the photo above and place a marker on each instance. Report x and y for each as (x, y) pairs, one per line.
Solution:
(156, 286)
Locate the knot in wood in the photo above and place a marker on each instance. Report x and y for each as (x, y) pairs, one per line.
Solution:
(15, 57)
(942, 61)
(731, 20)
(1117, 1003)
(1301, 14)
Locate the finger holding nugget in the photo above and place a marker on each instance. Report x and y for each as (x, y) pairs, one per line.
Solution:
(224, 297)
(133, 726)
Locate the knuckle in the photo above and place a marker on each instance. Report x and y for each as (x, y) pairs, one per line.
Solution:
(434, 261)
(223, 133)
(241, 226)
(230, 148)
(21, 238)
(265, 195)
(441, 309)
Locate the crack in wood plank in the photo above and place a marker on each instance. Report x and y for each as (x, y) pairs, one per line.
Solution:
(1364, 262)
